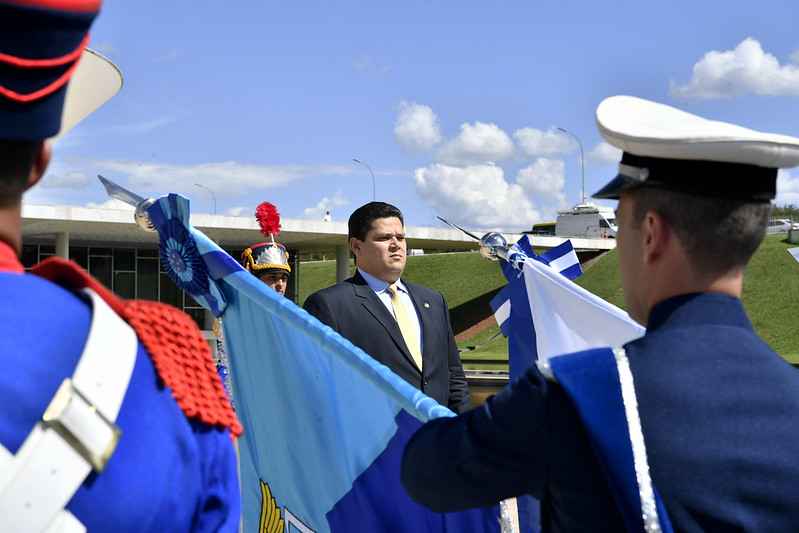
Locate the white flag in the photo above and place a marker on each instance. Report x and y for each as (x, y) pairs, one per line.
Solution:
(568, 318)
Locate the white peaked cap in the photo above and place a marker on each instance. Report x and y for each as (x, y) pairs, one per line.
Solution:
(672, 149)
(95, 82)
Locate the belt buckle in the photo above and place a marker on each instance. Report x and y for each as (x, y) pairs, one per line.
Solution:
(69, 402)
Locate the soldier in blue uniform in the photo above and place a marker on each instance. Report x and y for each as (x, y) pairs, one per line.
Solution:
(692, 427)
(113, 417)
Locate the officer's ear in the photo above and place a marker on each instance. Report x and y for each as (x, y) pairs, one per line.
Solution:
(40, 163)
(656, 236)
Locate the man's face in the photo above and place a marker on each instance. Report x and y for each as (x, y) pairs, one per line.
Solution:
(276, 280)
(382, 254)
(629, 245)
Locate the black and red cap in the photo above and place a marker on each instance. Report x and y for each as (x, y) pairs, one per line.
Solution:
(269, 256)
(42, 48)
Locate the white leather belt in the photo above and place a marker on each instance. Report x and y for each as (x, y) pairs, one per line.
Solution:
(77, 432)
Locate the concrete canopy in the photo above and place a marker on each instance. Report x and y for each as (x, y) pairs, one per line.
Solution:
(102, 225)
(115, 226)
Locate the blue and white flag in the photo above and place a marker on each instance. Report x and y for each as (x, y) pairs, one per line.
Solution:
(562, 258)
(551, 315)
(324, 423)
(544, 314)
(568, 318)
(522, 350)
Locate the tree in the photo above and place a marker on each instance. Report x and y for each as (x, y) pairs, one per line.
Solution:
(785, 211)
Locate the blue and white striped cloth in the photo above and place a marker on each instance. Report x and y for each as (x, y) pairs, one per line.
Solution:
(562, 259)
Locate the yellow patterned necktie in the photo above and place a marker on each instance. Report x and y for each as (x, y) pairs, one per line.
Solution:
(406, 325)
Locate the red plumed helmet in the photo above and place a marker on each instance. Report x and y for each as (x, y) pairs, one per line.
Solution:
(268, 218)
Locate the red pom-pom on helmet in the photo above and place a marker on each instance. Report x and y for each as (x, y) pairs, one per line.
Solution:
(268, 218)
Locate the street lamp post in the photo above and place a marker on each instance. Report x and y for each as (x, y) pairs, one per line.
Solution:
(356, 160)
(582, 159)
(213, 195)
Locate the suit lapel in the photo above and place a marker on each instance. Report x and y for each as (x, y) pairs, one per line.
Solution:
(378, 311)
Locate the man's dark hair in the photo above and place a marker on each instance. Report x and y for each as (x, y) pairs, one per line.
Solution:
(16, 160)
(719, 234)
(361, 219)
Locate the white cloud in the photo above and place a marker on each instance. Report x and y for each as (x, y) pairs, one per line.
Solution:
(479, 142)
(227, 178)
(73, 181)
(111, 203)
(787, 189)
(417, 127)
(325, 204)
(239, 211)
(544, 180)
(535, 143)
(476, 196)
(795, 57)
(747, 69)
(605, 154)
(63, 178)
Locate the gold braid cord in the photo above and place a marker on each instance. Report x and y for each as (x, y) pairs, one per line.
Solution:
(249, 262)
(271, 522)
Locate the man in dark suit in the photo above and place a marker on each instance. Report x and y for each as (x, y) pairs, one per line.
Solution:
(403, 325)
(692, 427)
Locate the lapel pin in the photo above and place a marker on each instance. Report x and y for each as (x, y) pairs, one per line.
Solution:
(426, 305)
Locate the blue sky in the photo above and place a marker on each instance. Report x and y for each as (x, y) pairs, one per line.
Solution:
(454, 105)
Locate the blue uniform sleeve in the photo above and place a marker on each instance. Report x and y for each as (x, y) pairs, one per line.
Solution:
(168, 472)
(219, 508)
(490, 453)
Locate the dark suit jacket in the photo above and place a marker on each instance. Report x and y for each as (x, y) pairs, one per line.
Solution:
(354, 310)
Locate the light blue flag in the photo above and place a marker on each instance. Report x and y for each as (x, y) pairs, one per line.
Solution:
(324, 423)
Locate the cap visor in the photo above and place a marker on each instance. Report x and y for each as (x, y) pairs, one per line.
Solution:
(95, 82)
(613, 189)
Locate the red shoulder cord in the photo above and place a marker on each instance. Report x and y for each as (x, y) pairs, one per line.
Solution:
(179, 352)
